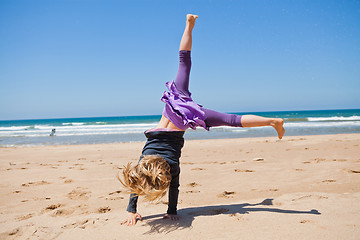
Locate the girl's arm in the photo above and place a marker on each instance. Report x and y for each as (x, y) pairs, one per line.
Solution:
(173, 195)
(132, 214)
(132, 203)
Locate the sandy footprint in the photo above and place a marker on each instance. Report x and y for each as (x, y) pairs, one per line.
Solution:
(56, 212)
(193, 184)
(80, 224)
(104, 209)
(52, 207)
(62, 212)
(226, 194)
(79, 193)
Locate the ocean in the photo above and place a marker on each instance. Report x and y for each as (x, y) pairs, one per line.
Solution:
(69, 131)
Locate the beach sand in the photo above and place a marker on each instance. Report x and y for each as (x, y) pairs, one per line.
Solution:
(305, 187)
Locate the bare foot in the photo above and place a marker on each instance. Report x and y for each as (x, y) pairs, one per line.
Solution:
(191, 17)
(191, 20)
(278, 125)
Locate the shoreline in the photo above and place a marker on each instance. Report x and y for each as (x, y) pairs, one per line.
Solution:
(302, 187)
(186, 140)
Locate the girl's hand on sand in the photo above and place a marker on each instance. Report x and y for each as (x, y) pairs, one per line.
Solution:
(171, 217)
(131, 219)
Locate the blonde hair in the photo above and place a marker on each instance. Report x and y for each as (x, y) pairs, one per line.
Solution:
(151, 177)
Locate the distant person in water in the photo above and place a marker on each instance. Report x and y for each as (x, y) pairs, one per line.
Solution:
(52, 132)
(158, 168)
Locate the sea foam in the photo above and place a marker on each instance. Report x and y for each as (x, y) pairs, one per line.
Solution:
(340, 118)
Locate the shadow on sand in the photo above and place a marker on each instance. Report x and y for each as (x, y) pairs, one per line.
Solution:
(187, 215)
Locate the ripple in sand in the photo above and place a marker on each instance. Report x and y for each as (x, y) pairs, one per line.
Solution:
(273, 190)
(329, 180)
(116, 192)
(34, 183)
(243, 170)
(198, 169)
(24, 217)
(305, 221)
(192, 191)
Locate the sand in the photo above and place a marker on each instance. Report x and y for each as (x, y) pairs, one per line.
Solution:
(305, 187)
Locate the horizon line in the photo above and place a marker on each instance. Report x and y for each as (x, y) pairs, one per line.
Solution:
(148, 115)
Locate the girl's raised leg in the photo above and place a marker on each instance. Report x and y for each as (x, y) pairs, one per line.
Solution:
(186, 40)
(257, 121)
(183, 75)
(214, 119)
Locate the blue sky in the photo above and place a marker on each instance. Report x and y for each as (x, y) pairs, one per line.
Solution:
(89, 58)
